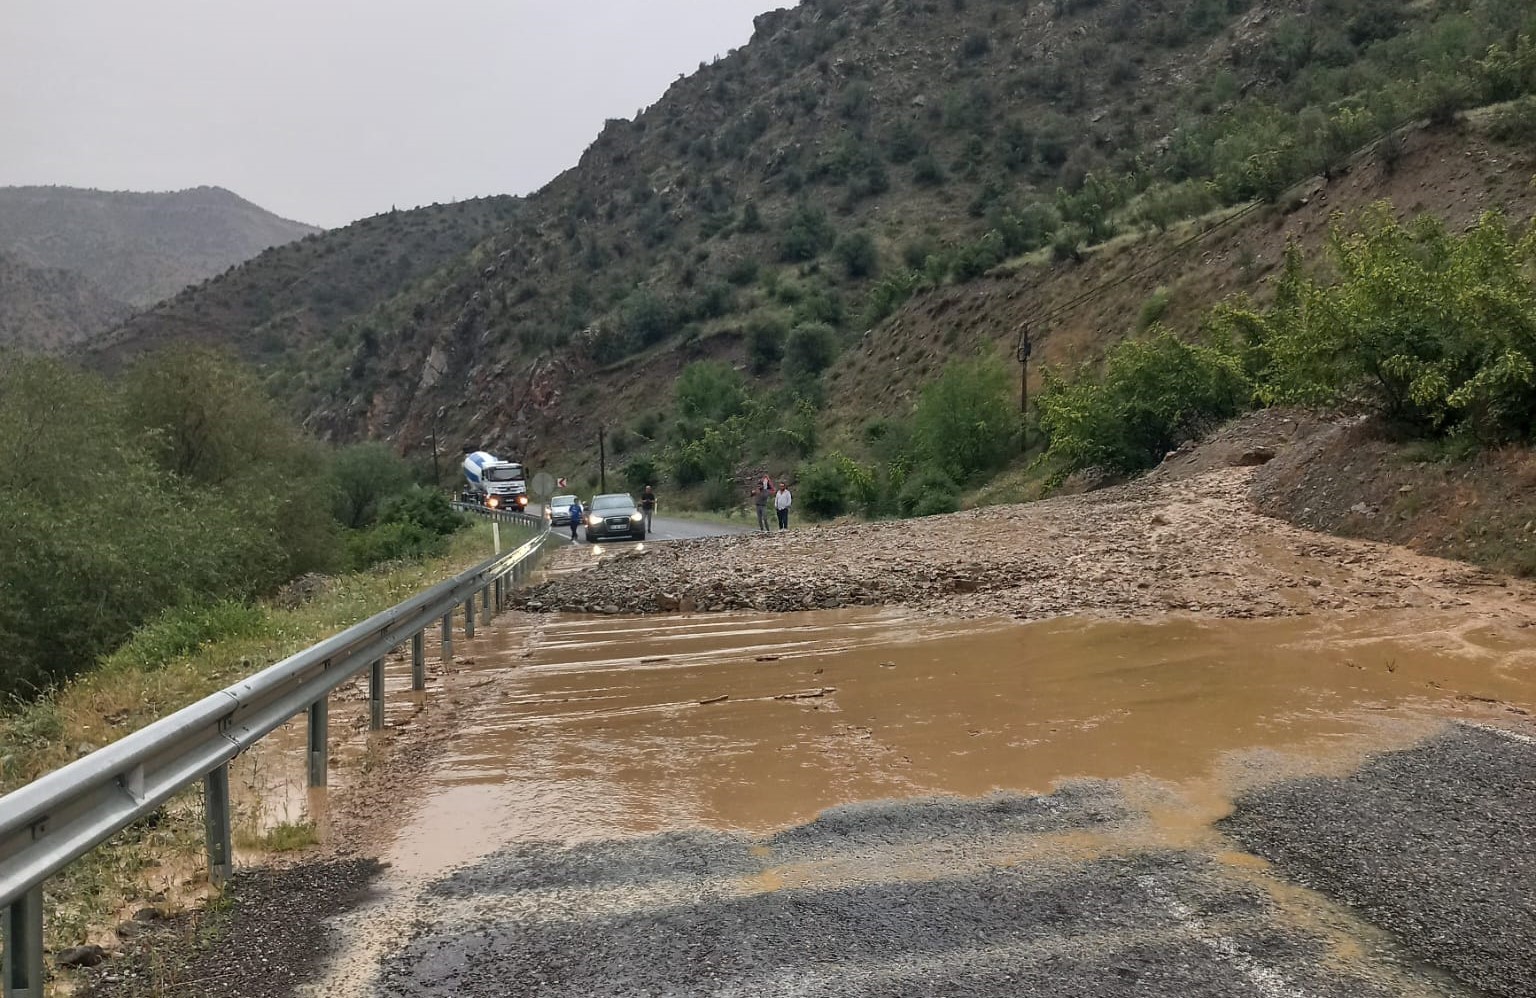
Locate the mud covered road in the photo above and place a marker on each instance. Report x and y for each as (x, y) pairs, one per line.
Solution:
(1138, 743)
(745, 805)
(1146, 549)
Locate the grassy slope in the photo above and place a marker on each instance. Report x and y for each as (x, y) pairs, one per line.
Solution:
(134, 687)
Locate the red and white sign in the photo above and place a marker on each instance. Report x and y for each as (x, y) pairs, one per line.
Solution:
(559, 483)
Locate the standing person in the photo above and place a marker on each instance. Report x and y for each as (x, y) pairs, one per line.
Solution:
(576, 516)
(781, 502)
(763, 492)
(648, 506)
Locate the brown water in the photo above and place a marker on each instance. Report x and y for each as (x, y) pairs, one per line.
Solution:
(604, 726)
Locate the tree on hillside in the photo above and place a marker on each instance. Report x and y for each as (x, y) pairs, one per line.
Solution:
(966, 422)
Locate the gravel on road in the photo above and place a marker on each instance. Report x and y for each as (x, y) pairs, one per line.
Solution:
(1436, 844)
(265, 936)
(893, 899)
(1148, 548)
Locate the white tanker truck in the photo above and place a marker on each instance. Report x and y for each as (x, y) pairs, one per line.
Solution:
(495, 483)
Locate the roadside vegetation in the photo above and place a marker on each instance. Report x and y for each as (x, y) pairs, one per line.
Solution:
(186, 654)
(169, 499)
(1431, 331)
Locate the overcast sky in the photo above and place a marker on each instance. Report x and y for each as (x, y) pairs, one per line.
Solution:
(330, 110)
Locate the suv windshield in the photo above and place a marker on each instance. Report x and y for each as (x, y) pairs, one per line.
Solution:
(612, 502)
(510, 473)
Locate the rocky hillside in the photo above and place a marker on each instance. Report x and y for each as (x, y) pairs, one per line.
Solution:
(872, 186)
(47, 309)
(138, 247)
(294, 298)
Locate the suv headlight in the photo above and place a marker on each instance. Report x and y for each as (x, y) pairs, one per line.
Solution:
(636, 517)
(593, 521)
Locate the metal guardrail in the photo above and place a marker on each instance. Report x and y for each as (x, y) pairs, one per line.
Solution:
(53, 821)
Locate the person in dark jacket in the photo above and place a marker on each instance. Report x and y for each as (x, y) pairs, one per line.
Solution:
(648, 506)
(576, 516)
(764, 493)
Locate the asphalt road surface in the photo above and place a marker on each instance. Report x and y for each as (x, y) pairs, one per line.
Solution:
(555, 855)
(662, 529)
(1007, 896)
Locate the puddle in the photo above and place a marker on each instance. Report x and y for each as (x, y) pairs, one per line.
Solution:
(616, 726)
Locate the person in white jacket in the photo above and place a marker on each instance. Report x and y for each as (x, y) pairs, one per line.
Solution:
(781, 502)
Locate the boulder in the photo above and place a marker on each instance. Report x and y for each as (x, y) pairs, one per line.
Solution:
(81, 956)
(1255, 456)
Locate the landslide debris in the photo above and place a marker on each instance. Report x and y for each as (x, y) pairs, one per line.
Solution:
(1155, 546)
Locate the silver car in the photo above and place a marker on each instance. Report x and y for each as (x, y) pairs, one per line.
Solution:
(614, 515)
(559, 510)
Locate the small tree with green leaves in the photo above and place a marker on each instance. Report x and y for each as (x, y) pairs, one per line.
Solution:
(966, 422)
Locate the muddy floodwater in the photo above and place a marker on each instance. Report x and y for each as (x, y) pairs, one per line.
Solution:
(610, 726)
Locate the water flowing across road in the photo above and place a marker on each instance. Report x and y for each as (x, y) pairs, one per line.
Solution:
(865, 802)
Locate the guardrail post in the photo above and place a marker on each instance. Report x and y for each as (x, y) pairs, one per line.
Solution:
(216, 825)
(24, 946)
(376, 695)
(469, 616)
(319, 741)
(448, 637)
(485, 601)
(418, 661)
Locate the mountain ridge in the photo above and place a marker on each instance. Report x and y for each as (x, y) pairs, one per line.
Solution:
(138, 246)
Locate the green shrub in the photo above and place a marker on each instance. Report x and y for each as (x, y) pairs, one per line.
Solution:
(888, 294)
(365, 475)
(926, 171)
(807, 234)
(966, 421)
(811, 348)
(1435, 331)
(1151, 396)
(640, 472)
(821, 489)
(424, 507)
(928, 492)
(1152, 309)
(710, 390)
(1516, 123)
(765, 342)
(858, 254)
(398, 541)
(181, 630)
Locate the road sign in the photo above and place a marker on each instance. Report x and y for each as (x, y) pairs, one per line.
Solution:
(543, 484)
(560, 483)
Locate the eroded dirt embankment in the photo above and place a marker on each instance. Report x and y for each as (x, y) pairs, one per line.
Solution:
(1155, 546)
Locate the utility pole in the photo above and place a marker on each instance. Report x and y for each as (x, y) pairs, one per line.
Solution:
(437, 473)
(602, 458)
(1024, 350)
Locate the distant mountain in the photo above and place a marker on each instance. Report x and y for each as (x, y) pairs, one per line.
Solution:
(289, 298)
(47, 309)
(137, 248)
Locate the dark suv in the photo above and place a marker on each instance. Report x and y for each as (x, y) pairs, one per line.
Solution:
(614, 515)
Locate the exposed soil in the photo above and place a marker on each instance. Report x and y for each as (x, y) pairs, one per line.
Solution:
(1353, 479)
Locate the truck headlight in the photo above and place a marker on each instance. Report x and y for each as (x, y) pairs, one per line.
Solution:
(522, 500)
(493, 502)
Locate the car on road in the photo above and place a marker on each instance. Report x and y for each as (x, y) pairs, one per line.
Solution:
(614, 515)
(558, 511)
